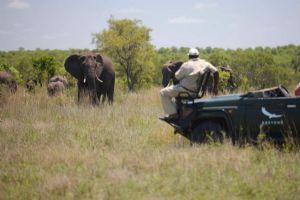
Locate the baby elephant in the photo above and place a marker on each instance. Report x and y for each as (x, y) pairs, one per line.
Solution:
(56, 85)
(59, 78)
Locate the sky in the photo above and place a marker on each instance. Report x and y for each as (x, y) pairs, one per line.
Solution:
(65, 24)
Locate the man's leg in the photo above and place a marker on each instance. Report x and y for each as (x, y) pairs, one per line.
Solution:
(166, 95)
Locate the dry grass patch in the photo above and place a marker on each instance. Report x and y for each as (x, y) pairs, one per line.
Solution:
(51, 148)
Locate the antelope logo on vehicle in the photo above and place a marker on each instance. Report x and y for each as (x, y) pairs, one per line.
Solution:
(268, 114)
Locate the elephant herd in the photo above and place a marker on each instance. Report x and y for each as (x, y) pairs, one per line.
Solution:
(95, 76)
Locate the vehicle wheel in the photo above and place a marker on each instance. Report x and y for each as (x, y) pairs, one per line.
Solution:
(208, 131)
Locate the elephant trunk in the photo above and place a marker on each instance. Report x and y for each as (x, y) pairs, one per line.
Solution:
(91, 81)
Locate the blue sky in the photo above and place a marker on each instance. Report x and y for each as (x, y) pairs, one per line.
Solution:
(64, 24)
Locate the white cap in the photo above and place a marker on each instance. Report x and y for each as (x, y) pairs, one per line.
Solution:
(193, 52)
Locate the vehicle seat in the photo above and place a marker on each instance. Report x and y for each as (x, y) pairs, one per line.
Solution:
(184, 97)
(278, 91)
(200, 91)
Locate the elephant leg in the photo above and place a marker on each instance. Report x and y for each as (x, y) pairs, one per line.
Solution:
(50, 91)
(110, 96)
(99, 96)
(81, 91)
(110, 93)
(101, 92)
(93, 96)
(94, 100)
(103, 98)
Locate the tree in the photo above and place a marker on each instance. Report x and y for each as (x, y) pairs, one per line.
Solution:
(218, 58)
(127, 42)
(45, 68)
(296, 62)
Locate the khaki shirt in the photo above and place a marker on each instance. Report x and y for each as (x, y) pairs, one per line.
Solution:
(188, 73)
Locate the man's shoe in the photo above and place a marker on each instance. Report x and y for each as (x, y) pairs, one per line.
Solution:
(162, 117)
(171, 117)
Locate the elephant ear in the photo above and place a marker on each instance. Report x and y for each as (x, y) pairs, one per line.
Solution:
(72, 65)
(99, 59)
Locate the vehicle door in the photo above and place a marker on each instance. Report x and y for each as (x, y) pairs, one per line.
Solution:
(267, 118)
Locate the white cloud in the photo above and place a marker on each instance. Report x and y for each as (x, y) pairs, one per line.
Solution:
(186, 20)
(18, 4)
(201, 6)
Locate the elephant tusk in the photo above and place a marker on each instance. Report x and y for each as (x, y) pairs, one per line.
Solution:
(84, 80)
(99, 79)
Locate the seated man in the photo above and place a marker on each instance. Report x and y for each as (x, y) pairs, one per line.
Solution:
(187, 75)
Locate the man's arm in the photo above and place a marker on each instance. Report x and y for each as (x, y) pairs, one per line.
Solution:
(181, 73)
(216, 83)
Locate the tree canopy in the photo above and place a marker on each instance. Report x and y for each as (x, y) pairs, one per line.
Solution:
(128, 43)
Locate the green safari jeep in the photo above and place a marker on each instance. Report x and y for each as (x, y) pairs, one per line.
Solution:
(269, 113)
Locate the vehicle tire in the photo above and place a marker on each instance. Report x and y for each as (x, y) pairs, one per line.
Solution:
(208, 132)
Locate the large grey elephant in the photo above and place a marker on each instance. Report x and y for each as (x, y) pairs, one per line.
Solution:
(95, 75)
(8, 80)
(168, 72)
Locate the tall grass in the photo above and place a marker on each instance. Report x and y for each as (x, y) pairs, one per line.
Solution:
(51, 148)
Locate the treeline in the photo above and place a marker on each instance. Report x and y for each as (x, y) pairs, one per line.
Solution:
(251, 68)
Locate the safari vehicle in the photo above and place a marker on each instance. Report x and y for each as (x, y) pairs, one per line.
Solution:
(272, 113)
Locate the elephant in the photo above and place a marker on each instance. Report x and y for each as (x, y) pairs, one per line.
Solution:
(59, 78)
(230, 82)
(56, 84)
(55, 87)
(168, 72)
(231, 85)
(8, 80)
(95, 75)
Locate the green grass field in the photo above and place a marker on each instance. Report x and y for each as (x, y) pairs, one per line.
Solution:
(51, 148)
